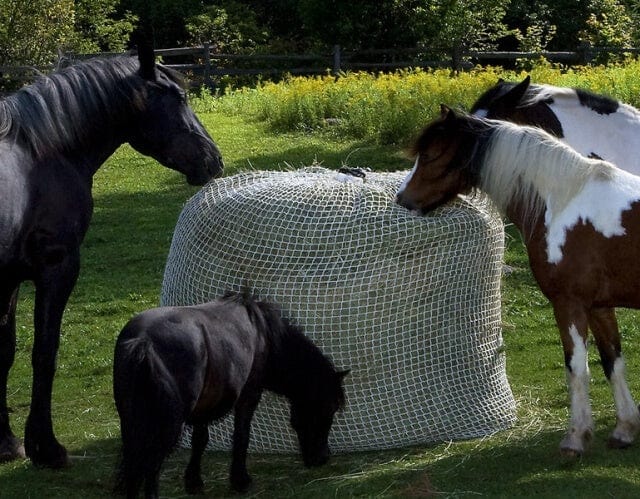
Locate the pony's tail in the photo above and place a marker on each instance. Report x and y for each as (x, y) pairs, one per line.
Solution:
(151, 411)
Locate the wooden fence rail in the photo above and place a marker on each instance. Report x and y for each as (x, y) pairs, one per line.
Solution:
(205, 66)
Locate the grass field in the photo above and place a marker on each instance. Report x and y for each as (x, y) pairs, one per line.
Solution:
(137, 203)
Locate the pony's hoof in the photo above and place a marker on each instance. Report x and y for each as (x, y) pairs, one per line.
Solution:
(194, 486)
(616, 443)
(241, 484)
(10, 449)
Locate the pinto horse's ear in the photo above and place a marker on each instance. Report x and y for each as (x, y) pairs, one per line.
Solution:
(342, 374)
(147, 60)
(513, 97)
(446, 112)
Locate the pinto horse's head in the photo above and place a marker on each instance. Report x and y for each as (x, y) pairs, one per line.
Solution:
(446, 162)
(168, 130)
(520, 103)
(312, 416)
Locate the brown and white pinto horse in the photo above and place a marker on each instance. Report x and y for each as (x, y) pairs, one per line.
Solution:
(580, 218)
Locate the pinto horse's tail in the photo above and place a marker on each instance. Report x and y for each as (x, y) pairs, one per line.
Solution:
(150, 408)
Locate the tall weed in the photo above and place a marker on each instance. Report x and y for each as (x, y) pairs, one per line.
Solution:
(392, 108)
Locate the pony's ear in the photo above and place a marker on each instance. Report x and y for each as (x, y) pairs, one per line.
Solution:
(147, 60)
(342, 374)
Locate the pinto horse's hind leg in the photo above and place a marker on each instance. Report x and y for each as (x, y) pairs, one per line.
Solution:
(192, 477)
(572, 322)
(10, 446)
(52, 292)
(605, 331)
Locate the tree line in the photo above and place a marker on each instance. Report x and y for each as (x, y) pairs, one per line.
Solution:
(34, 32)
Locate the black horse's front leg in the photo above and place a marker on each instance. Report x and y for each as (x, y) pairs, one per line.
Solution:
(10, 446)
(52, 293)
(243, 413)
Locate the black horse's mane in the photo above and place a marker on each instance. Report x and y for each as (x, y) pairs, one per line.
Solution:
(59, 110)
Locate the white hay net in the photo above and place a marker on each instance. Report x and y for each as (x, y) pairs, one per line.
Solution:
(410, 304)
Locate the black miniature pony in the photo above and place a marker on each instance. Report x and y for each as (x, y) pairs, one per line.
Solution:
(193, 365)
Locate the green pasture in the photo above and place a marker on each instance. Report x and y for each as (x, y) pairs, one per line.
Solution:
(137, 203)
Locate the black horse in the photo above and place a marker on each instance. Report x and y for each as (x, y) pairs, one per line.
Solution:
(54, 135)
(195, 364)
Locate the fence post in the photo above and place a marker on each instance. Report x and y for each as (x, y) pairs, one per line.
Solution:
(585, 54)
(207, 65)
(336, 60)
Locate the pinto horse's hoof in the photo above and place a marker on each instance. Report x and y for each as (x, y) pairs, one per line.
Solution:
(616, 443)
(10, 449)
(570, 453)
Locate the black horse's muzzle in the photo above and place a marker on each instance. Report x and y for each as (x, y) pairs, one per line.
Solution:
(213, 167)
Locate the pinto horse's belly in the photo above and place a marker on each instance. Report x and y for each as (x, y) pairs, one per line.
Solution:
(602, 268)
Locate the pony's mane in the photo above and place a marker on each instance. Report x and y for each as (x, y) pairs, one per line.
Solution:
(265, 316)
(290, 349)
(528, 164)
(59, 110)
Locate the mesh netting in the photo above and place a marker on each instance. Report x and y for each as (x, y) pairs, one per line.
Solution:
(410, 304)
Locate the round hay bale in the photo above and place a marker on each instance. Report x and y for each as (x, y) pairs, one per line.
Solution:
(410, 304)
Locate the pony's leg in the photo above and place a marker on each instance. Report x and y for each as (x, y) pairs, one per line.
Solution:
(572, 322)
(244, 409)
(605, 331)
(53, 288)
(192, 477)
(10, 446)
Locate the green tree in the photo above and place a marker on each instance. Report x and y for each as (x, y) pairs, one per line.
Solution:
(100, 28)
(32, 31)
(164, 20)
(229, 25)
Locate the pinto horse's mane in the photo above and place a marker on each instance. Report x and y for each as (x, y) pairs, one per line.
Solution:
(546, 93)
(528, 164)
(59, 110)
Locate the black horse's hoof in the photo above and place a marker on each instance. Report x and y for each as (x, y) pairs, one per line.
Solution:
(53, 456)
(10, 449)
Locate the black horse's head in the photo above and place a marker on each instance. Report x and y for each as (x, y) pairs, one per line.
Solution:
(168, 130)
(312, 415)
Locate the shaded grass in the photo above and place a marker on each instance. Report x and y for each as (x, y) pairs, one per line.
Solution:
(137, 205)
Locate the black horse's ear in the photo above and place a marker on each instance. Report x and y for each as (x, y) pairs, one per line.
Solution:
(147, 59)
(342, 374)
